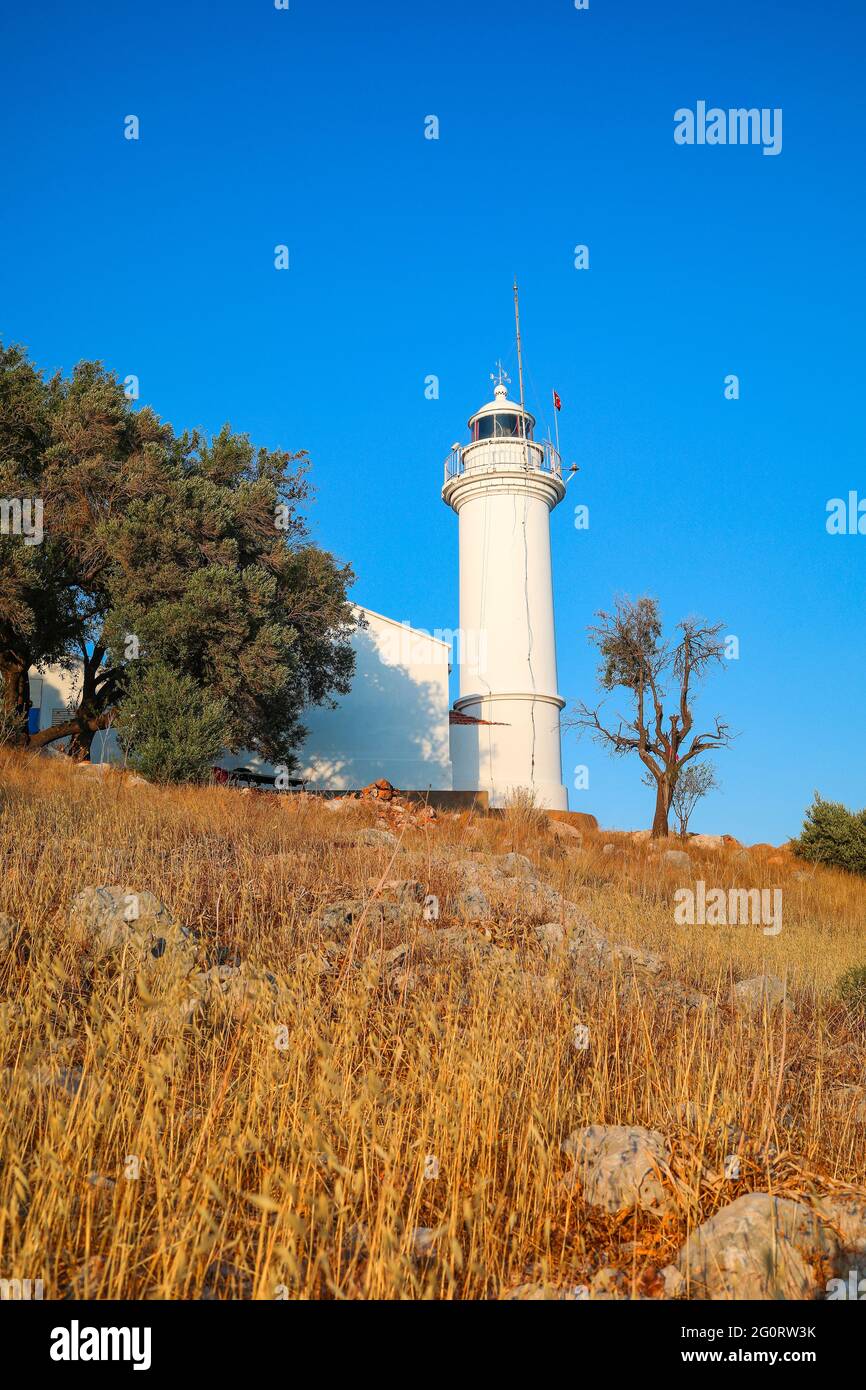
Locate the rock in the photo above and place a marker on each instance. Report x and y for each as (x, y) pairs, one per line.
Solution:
(682, 995)
(706, 842)
(753, 995)
(609, 1283)
(424, 1242)
(134, 780)
(758, 1247)
(619, 1167)
(378, 839)
(408, 891)
(551, 936)
(472, 904)
(8, 931)
(517, 866)
(376, 912)
(547, 1293)
(455, 942)
(44, 1077)
(846, 1214)
(561, 830)
(801, 877)
(239, 989)
(677, 859)
(608, 848)
(134, 923)
(595, 953)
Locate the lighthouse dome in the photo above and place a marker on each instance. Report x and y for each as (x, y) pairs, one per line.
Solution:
(501, 418)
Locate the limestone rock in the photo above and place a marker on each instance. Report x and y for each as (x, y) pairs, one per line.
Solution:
(423, 1240)
(760, 991)
(338, 917)
(619, 1167)
(551, 936)
(561, 830)
(472, 904)
(517, 866)
(407, 891)
(377, 839)
(846, 1214)
(758, 1247)
(131, 924)
(677, 859)
(544, 1293)
(239, 989)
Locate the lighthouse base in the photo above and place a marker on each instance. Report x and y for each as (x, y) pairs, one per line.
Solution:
(505, 744)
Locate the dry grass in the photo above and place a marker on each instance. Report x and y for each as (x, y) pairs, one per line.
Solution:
(300, 1168)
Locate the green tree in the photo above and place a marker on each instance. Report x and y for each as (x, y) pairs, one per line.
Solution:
(37, 606)
(636, 657)
(163, 548)
(833, 835)
(170, 730)
(694, 782)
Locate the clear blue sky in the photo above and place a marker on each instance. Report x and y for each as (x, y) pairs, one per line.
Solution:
(306, 127)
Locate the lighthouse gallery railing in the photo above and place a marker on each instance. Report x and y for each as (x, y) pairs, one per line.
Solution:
(542, 457)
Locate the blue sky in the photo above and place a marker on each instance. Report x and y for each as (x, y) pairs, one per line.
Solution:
(306, 127)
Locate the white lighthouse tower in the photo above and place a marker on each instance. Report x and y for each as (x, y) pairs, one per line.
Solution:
(503, 485)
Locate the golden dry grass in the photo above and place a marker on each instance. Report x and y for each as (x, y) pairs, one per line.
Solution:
(299, 1170)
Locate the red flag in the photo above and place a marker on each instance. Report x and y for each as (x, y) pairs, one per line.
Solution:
(557, 403)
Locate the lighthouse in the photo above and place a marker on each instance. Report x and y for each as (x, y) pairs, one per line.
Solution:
(503, 484)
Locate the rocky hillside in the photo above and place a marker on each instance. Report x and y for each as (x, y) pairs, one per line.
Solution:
(261, 1046)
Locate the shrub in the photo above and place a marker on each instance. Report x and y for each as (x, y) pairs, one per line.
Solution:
(851, 989)
(833, 835)
(169, 728)
(522, 817)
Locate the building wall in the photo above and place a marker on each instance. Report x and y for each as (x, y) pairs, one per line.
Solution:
(393, 723)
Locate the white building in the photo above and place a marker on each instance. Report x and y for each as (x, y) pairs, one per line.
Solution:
(503, 733)
(393, 724)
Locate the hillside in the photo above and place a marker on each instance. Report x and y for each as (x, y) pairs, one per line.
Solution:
(337, 1053)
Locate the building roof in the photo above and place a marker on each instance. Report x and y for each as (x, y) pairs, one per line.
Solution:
(456, 716)
(501, 404)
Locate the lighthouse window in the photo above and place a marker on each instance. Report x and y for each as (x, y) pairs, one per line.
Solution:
(499, 427)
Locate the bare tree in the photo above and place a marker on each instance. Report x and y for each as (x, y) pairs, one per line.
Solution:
(694, 782)
(636, 657)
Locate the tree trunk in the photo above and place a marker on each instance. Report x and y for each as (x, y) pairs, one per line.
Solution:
(16, 692)
(74, 727)
(80, 744)
(663, 803)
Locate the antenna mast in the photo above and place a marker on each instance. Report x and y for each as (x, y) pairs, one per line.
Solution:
(520, 375)
(519, 350)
